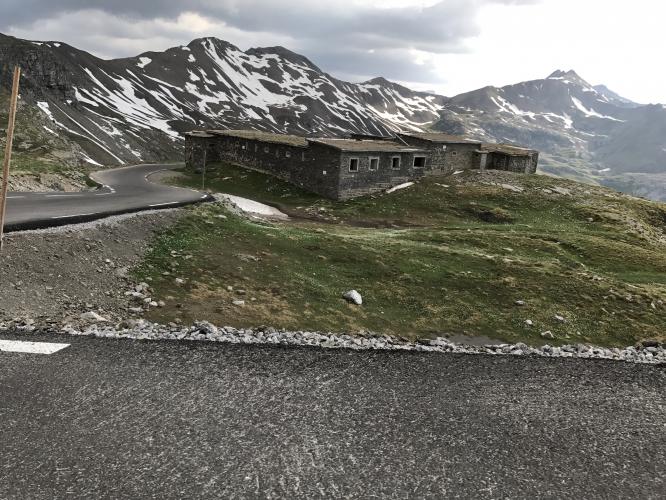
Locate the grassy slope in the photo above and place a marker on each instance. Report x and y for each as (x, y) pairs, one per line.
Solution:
(428, 260)
(38, 151)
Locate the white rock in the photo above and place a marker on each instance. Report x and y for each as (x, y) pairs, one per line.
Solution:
(561, 190)
(353, 297)
(529, 322)
(548, 335)
(515, 189)
(180, 281)
(93, 317)
(238, 302)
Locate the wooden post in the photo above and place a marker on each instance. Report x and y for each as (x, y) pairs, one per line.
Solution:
(203, 174)
(8, 151)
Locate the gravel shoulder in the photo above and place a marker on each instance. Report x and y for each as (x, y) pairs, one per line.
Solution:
(53, 276)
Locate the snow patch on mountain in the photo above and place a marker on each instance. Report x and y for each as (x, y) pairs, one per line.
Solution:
(590, 112)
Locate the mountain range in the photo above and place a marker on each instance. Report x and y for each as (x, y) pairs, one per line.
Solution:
(135, 109)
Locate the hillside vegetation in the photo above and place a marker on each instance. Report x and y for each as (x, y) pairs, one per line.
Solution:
(42, 159)
(478, 254)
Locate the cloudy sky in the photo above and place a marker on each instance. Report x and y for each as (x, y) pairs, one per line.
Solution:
(449, 46)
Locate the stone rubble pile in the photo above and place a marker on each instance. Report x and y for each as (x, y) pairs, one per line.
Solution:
(139, 329)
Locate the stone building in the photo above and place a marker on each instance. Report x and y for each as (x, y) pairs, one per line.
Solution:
(361, 164)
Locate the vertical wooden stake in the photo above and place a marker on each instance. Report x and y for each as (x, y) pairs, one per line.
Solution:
(8, 151)
(203, 174)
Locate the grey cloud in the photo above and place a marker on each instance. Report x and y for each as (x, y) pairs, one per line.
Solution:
(341, 37)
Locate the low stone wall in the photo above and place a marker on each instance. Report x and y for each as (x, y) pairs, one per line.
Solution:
(521, 164)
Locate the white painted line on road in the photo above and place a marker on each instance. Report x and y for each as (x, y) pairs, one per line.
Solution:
(31, 347)
(163, 204)
(63, 195)
(14, 197)
(70, 216)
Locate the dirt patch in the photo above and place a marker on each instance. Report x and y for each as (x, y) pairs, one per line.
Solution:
(56, 275)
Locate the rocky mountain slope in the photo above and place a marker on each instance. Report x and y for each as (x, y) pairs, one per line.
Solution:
(135, 109)
(585, 132)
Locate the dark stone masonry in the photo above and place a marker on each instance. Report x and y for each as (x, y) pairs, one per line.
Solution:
(346, 168)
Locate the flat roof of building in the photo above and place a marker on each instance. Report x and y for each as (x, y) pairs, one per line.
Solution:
(370, 146)
(199, 133)
(439, 137)
(506, 149)
(256, 135)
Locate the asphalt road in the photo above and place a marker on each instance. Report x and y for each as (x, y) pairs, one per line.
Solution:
(132, 419)
(125, 190)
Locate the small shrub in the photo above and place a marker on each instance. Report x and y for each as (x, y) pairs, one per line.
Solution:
(493, 215)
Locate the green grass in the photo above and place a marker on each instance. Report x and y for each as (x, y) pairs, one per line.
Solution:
(428, 260)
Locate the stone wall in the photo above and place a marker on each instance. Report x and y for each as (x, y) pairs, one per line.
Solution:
(367, 181)
(522, 164)
(446, 158)
(194, 152)
(460, 157)
(315, 168)
(324, 169)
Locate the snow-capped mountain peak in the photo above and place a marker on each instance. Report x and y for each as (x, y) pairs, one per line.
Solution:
(136, 109)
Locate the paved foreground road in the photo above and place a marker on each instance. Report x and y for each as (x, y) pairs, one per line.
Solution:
(123, 419)
(126, 189)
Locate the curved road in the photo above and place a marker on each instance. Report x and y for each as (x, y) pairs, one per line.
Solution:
(125, 190)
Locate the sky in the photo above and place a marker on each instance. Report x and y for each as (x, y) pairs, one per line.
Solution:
(446, 46)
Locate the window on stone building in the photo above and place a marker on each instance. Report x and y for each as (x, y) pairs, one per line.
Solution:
(374, 164)
(267, 149)
(256, 148)
(353, 164)
(419, 161)
(287, 154)
(395, 163)
(303, 156)
(454, 153)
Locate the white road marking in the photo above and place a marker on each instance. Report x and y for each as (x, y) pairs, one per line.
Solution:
(31, 347)
(70, 216)
(163, 204)
(14, 197)
(63, 195)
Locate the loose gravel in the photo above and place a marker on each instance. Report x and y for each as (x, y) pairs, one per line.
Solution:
(139, 329)
(55, 275)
